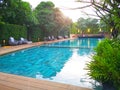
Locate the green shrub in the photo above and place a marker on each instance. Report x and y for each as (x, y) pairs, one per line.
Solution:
(36, 34)
(8, 30)
(105, 66)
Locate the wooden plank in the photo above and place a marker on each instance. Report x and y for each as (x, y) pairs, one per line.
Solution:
(24, 83)
(4, 87)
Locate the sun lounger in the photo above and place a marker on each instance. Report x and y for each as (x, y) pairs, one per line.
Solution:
(52, 37)
(49, 38)
(25, 41)
(59, 37)
(12, 41)
(65, 36)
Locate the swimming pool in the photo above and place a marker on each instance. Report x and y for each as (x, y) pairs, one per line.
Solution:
(61, 62)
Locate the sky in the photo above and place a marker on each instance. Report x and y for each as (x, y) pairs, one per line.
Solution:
(65, 5)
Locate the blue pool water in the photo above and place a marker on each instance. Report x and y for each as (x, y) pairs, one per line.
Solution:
(61, 62)
(77, 43)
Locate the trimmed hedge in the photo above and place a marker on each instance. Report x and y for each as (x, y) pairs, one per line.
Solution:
(8, 30)
(36, 34)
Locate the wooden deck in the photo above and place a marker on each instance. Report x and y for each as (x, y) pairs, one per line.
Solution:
(14, 82)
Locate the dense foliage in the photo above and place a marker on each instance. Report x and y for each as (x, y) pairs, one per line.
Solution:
(84, 24)
(109, 12)
(51, 20)
(105, 66)
(8, 30)
(45, 20)
(16, 12)
(104, 27)
(74, 29)
(36, 34)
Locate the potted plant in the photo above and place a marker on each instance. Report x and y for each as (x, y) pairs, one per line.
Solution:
(105, 64)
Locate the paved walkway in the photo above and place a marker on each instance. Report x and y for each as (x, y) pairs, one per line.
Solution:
(14, 82)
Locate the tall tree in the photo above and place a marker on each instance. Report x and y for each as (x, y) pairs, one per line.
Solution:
(51, 19)
(44, 13)
(89, 23)
(62, 23)
(16, 12)
(111, 8)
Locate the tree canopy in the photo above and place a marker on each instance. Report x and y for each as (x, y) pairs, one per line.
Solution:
(51, 19)
(45, 18)
(109, 8)
(88, 24)
(16, 12)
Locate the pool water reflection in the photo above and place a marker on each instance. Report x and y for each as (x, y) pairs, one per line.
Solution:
(60, 62)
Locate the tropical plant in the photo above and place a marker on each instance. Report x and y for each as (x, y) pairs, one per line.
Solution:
(105, 64)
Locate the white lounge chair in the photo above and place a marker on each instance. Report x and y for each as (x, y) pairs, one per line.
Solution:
(25, 41)
(12, 41)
